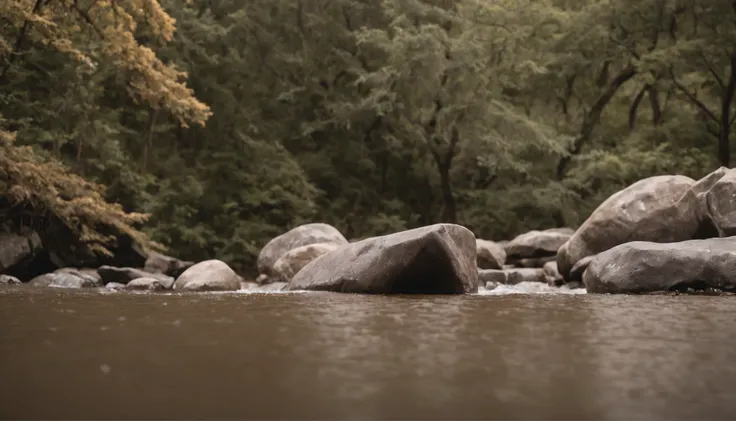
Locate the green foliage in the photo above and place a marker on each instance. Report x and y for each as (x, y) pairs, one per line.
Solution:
(504, 116)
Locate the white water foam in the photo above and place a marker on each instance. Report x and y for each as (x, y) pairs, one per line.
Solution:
(520, 288)
(529, 288)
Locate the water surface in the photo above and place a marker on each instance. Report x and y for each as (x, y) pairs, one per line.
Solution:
(78, 354)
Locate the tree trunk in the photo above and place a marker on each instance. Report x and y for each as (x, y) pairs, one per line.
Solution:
(449, 206)
(592, 118)
(18, 45)
(724, 145)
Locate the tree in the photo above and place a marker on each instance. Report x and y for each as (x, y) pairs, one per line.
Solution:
(703, 68)
(101, 30)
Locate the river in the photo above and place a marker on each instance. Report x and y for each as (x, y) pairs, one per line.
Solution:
(514, 353)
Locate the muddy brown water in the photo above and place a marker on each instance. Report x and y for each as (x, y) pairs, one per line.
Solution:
(75, 354)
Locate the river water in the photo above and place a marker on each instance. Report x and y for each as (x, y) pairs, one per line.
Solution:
(514, 353)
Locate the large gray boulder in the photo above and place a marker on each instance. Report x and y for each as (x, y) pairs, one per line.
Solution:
(490, 255)
(433, 259)
(720, 203)
(295, 259)
(653, 209)
(642, 266)
(300, 236)
(17, 247)
(210, 275)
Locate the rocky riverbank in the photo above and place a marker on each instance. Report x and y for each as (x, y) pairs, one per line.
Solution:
(661, 234)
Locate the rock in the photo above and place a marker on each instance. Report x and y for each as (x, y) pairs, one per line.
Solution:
(125, 275)
(644, 211)
(518, 275)
(116, 286)
(489, 254)
(17, 247)
(149, 284)
(578, 269)
(720, 204)
(84, 272)
(432, 259)
(536, 244)
(167, 265)
(554, 278)
(209, 275)
(64, 278)
(535, 262)
(643, 266)
(9, 280)
(295, 259)
(300, 236)
(563, 230)
(490, 286)
(262, 279)
(272, 287)
(491, 276)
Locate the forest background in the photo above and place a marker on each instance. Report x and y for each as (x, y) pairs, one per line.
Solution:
(219, 124)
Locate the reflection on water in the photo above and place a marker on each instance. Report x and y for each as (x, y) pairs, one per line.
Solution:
(84, 354)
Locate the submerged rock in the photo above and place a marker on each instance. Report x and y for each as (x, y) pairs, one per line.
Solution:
(491, 276)
(642, 267)
(210, 275)
(150, 284)
(300, 236)
(295, 259)
(9, 280)
(511, 276)
(115, 286)
(438, 258)
(65, 278)
(125, 275)
(489, 255)
(554, 278)
(518, 275)
(648, 210)
(535, 262)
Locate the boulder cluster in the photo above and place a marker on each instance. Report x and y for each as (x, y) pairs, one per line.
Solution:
(661, 234)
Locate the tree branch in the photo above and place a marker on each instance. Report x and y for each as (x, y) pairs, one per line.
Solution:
(693, 99)
(711, 69)
(592, 118)
(635, 106)
(19, 42)
(85, 15)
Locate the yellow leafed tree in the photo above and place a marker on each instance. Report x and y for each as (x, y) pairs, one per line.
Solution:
(104, 30)
(76, 223)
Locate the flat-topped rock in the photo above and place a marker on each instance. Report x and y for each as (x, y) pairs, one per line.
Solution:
(438, 258)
